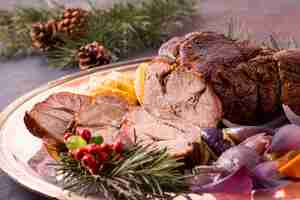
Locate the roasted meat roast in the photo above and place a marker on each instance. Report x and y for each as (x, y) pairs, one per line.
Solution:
(245, 77)
(194, 82)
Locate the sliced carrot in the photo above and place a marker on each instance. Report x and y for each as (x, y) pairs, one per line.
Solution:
(291, 168)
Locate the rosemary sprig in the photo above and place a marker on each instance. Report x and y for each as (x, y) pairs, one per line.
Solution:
(146, 172)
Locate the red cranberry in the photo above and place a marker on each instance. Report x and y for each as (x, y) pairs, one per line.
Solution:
(79, 153)
(85, 134)
(93, 148)
(103, 156)
(118, 147)
(66, 136)
(107, 148)
(89, 161)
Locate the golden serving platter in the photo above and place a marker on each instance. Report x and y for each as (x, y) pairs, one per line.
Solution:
(19, 149)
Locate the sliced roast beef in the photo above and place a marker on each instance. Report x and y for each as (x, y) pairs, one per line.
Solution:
(112, 118)
(64, 111)
(180, 138)
(177, 93)
(103, 117)
(52, 117)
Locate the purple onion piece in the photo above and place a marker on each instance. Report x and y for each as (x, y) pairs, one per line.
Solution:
(265, 175)
(215, 140)
(291, 115)
(266, 169)
(237, 157)
(287, 138)
(260, 143)
(239, 134)
(237, 182)
(207, 176)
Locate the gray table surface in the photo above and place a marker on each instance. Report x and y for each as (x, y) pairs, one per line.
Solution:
(261, 17)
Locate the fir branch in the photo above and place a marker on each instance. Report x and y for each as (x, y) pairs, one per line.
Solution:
(127, 28)
(123, 29)
(15, 28)
(145, 173)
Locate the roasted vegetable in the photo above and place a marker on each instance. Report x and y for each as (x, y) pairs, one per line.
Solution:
(215, 139)
(260, 143)
(265, 175)
(238, 181)
(239, 134)
(286, 139)
(237, 157)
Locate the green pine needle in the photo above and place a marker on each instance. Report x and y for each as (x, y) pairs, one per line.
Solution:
(146, 172)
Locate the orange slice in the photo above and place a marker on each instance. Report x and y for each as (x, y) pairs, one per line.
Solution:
(139, 82)
(108, 91)
(118, 84)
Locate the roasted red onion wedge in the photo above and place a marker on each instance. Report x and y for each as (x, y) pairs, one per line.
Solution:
(291, 115)
(265, 175)
(237, 157)
(239, 134)
(237, 182)
(215, 139)
(287, 138)
(260, 143)
(266, 170)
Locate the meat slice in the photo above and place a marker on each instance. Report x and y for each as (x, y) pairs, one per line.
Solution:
(177, 93)
(112, 118)
(69, 101)
(181, 139)
(64, 111)
(104, 117)
(52, 117)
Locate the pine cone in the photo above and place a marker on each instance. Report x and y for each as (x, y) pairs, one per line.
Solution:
(43, 35)
(73, 22)
(92, 55)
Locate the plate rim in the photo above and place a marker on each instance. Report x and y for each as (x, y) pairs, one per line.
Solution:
(13, 106)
